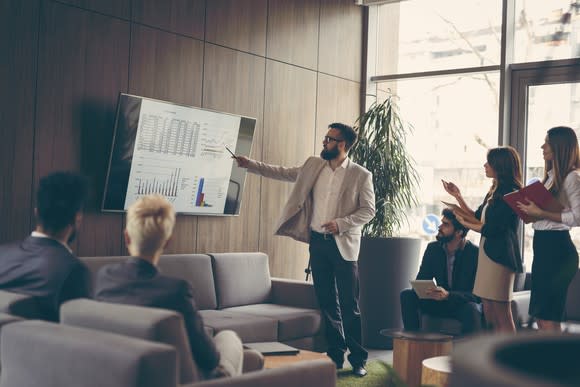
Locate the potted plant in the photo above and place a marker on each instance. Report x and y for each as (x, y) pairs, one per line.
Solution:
(386, 264)
(381, 149)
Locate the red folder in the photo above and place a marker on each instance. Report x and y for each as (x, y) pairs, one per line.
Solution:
(536, 193)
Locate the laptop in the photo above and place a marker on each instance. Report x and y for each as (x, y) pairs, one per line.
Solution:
(272, 348)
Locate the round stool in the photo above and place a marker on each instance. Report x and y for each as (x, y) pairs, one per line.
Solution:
(411, 348)
(436, 371)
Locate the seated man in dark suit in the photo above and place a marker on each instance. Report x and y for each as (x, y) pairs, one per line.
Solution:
(452, 261)
(137, 281)
(43, 265)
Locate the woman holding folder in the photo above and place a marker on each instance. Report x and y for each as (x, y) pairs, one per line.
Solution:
(499, 253)
(555, 256)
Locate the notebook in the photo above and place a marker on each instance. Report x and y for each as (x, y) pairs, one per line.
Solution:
(272, 348)
(536, 193)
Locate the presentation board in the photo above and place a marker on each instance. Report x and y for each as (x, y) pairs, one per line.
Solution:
(179, 152)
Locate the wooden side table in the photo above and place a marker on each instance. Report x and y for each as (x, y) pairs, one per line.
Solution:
(411, 348)
(436, 371)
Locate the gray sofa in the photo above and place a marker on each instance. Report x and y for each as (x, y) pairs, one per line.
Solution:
(234, 291)
(152, 324)
(38, 353)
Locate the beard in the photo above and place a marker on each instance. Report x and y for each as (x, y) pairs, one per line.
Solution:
(327, 154)
(444, 238)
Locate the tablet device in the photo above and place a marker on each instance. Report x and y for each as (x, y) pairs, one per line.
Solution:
(421, 286)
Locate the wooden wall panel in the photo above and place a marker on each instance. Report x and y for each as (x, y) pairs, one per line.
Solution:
(234, 82)
(166, 66)
(238, 24)
(169, 67)
(184, 17)
(289, 119)
(293, 32)
(83, 60)
(18, 41)
(341, 28)
(118, 8)
(338, 101)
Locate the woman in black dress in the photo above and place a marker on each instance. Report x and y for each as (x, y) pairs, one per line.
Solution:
(499, 253)
(555, 256)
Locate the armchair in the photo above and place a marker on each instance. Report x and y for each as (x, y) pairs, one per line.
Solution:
(157, 324)
(39, 353)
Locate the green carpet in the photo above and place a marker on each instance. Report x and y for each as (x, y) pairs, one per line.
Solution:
(379, 374)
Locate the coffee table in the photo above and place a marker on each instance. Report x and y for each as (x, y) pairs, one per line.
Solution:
(277, 361)
(411, 348)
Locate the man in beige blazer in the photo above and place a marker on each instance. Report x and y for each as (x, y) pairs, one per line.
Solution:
(332, 199)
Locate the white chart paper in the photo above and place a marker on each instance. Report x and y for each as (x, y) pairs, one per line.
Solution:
(180, 153)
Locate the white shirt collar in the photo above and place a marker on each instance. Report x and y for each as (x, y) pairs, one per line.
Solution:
(37, 234)
(344, 163)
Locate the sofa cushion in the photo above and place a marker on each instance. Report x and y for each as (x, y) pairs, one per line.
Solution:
(160, 325)
(7, 319)
(241, 278)
(250, 328)
(293, 322)
(39, 353)
(195, 269)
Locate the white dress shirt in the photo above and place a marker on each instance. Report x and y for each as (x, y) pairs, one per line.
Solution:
(325, 193)
(569, 197)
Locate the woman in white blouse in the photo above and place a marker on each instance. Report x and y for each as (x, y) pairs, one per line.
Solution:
(555, 256)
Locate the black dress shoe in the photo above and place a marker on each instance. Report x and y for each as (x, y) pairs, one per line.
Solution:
(359, 371)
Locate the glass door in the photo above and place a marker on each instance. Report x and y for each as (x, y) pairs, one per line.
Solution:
(543, 97)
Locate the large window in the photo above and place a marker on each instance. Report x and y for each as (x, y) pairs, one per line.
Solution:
(432, 35)
(450, 138)
(545, 96)
(449, 64)
(546, 30)
(441, 58)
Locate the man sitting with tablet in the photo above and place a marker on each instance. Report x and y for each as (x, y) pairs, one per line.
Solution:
(452, 262)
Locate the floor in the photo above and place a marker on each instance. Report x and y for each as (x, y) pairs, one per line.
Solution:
(381, 354)
(377, 354)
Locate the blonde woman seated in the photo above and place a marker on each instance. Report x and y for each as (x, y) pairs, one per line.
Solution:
(137, 281)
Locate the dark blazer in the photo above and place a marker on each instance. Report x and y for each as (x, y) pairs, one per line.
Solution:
(45, 269)
(137, 282)
(500, 231)
(434, 265)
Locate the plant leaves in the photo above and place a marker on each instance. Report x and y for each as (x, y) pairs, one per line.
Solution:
(381, 149)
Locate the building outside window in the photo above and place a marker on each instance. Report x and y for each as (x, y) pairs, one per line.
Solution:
(448, 62)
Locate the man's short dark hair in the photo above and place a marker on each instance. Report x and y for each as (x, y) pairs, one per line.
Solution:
(347, 133)
(447, 213)
(60, 196)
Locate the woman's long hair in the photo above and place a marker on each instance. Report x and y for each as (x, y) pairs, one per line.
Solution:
(566, 156)
(505, 161)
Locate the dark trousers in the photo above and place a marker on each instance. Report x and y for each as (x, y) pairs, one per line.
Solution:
(468, 313)
(337, 286)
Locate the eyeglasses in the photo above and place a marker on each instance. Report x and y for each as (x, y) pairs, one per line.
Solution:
(329, 139)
